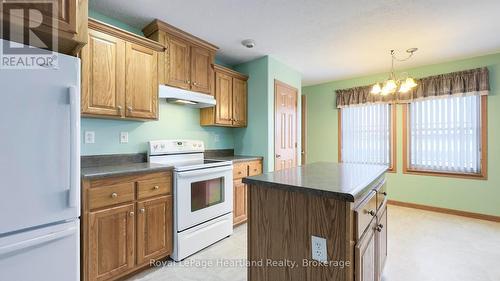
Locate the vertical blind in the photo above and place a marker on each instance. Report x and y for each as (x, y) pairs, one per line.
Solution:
(366, 134)
(445, 134)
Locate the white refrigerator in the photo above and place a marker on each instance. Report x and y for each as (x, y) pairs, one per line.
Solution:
(40, 173)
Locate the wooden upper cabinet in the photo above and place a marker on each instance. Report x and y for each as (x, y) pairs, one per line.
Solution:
(111, 242)
(119, 74)
(188, 59)
(141, 82)
(239, 102)
(66, 19)
(223, 96)
(201, 70)
(231, 97)
(103, 74)
(154, 229)
(178, 63)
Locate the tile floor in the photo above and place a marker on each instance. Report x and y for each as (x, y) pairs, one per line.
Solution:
(423, 246)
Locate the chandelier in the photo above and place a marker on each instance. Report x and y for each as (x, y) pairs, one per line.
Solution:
(393, 84)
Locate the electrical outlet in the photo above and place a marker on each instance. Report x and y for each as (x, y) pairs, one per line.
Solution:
(123, 137)
(318, 246)
(89, 137)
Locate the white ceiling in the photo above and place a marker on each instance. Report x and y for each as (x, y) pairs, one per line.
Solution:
(327, 39)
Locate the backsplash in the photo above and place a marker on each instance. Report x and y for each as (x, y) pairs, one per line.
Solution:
(176, 122)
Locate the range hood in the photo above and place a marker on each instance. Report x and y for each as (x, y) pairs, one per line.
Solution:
(185, 97)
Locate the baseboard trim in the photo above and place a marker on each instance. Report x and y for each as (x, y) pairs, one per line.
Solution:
(445, 211)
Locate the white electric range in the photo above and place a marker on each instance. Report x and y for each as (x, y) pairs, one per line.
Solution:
(203, 194)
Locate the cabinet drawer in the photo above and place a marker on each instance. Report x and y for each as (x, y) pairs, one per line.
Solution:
(365, 213)
(110, 195)
(240, 171)
(154, 187)
(254, 168)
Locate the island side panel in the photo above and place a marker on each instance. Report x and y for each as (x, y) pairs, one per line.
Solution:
(280, 227)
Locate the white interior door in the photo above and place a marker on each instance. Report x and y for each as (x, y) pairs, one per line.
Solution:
(39, 151)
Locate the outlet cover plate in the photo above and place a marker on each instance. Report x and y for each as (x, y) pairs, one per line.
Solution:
(123, 137)
(318, 246)
(89, 137)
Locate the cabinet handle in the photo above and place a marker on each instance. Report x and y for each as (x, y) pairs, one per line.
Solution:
(156, 187)
(379, 228)
(372, 213)
(129, 108)
(114, 195)
(195, 84)
(384, 193)
(119, 108)
(131, 214)
(142, 210)
(278, 156)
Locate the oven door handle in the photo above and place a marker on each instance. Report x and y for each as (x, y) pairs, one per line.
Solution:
(206, 171)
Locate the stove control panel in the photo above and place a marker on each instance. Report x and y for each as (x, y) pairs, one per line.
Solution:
(175, 146)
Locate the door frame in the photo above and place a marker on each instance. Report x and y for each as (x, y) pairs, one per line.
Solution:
(303, 129)
(276, 84)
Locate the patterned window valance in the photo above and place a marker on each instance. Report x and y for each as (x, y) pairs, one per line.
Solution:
(468, 82)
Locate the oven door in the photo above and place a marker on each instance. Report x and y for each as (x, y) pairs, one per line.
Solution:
(202, 195)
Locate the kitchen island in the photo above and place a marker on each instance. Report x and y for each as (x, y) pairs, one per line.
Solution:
(292, 212)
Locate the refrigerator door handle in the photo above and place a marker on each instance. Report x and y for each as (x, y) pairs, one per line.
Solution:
(4, 250)
(74, 189)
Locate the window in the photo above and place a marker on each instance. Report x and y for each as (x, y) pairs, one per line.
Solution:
(446, 136)
(366, 134)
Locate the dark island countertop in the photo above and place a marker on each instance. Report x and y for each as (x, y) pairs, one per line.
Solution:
(345, 181)
(235, 158)
(122, 170)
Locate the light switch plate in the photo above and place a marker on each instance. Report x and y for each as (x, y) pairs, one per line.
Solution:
(123, 137)
(318, 246)
(89, 137)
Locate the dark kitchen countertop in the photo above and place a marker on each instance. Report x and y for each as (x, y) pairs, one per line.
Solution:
(345, 181)
(122, 170)
(235, 158)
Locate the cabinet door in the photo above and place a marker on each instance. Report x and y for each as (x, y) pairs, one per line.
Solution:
(224, 98)
(201, 70)
(178, 63)
(239, 102)
(141, 82)
(154, 229)
(381, 238)
(239, 202)
(111, 242)
(366, 256)
(103, 75)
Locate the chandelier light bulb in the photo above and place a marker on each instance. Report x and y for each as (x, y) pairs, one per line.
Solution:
(376, 89)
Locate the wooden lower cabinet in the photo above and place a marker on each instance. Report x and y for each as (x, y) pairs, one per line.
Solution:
(112, 242)
(240, 190)
(365, 255)
(154, 228)
(381, 239)
(240, 202)
(126, 222)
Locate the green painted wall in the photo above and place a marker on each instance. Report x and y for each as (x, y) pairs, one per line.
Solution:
(258, 137)
(252, 140)
(175, 122)
(479, 196)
